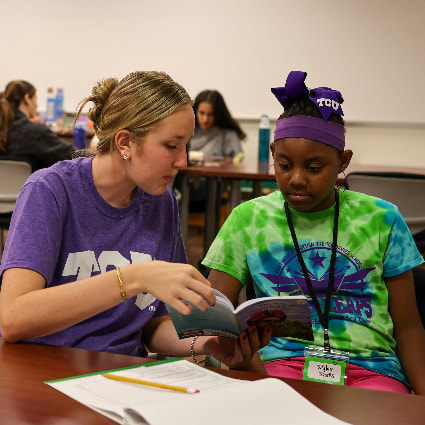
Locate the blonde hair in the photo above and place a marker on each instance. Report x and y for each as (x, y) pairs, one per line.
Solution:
(136, 103)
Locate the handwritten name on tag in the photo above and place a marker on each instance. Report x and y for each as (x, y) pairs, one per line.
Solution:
(324, 370)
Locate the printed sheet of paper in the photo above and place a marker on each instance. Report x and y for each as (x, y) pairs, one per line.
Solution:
(220, 400)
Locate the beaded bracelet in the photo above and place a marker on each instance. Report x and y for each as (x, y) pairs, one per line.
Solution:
(122, 290)
(192, 351)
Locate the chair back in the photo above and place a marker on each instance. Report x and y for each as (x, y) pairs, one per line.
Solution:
(13, 175)
(405, 190)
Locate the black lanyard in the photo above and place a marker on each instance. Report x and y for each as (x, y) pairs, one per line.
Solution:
(323, 315)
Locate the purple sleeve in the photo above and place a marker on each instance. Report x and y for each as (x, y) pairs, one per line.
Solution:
(36, 230)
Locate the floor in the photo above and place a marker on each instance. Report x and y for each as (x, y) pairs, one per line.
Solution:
(194, 248)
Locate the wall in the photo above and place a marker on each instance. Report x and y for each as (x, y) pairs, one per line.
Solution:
(371, 50)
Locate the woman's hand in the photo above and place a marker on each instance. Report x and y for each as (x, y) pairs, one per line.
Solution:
(242, 353)
(22, 289)
(173, 283)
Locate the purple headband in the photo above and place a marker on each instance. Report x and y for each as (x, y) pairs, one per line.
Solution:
(312, 128)
(328, 101)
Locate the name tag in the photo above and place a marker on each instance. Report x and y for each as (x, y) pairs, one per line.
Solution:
(332, 371)
(323, 366)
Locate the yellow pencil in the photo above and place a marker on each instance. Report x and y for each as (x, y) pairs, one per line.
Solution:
(149, 383)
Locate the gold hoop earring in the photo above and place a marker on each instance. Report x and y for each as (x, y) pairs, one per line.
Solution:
(267, 173)
(268, 178)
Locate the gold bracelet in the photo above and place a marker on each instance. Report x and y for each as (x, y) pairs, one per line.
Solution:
(122, 290)
(192, 351)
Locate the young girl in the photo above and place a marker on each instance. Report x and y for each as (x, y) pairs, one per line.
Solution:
(349, 253)
(94, 248)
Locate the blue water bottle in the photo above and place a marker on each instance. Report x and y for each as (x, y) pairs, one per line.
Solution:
(80, 134)
(50, 117)
(264, 139)
(59, 103)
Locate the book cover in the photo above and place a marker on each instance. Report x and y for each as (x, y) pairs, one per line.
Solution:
(289, 317)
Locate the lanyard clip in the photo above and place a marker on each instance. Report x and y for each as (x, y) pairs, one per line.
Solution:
(326, 342)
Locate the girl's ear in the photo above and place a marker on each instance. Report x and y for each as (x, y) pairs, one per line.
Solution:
(122, 142)
(26, 99)
(345, 159)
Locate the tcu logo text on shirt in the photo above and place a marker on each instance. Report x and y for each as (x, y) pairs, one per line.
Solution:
(84, 264)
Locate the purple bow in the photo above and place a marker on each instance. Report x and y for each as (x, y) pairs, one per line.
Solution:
(295, 89)
(328, 101)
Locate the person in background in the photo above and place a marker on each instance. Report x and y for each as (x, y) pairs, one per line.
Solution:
(350, 254)
(217, 133)
(25, 140)
(96, 249)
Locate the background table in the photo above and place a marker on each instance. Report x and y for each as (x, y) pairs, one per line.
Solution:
(225, 170)
(218, 172)
(26, 399)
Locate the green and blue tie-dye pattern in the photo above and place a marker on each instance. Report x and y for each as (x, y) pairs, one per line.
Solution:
(373, 241)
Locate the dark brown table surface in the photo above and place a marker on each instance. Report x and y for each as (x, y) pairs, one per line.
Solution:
(26, 399)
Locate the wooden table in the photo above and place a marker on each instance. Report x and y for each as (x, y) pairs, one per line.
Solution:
(219, 171)
(68, 136)
(25, 399)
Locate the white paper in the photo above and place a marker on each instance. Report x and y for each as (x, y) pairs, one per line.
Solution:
(220, 400)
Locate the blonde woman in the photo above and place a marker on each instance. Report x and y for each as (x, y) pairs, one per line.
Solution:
(95, 249)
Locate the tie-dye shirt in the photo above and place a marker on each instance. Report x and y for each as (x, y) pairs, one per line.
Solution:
(373, 243)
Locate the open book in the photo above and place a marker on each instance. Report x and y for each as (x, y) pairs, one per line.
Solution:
(288, 316)
(218, 401)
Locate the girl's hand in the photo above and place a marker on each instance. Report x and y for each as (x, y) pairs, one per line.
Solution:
(173, 283)
(240, 354)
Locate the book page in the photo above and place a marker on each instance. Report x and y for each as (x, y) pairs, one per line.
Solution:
(222, 299)
(217, 320)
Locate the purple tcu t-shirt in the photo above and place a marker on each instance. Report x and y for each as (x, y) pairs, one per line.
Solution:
(63, 229)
